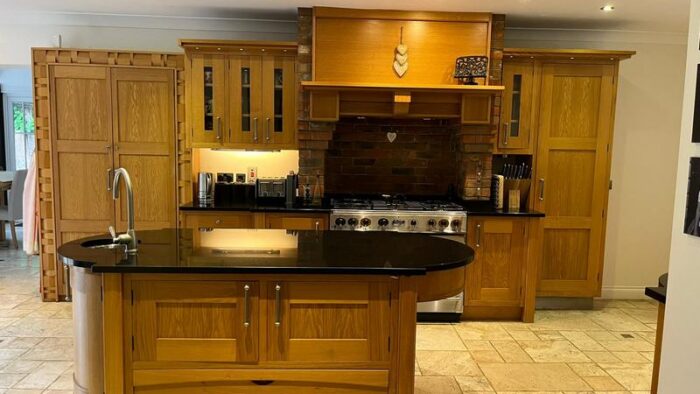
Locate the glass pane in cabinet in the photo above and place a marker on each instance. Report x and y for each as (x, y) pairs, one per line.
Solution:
(208, 98)
(515, 109)
(245, 99)
(279, 81)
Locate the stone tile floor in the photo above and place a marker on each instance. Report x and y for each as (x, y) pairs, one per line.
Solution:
(606, 350)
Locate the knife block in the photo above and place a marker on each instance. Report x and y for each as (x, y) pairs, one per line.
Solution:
(516, 194)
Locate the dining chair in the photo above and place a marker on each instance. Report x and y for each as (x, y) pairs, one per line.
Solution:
(13, 211)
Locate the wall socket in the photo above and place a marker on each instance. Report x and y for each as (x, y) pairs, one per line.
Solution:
(252, 174)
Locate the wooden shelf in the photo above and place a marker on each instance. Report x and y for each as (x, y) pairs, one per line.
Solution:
(347, 86)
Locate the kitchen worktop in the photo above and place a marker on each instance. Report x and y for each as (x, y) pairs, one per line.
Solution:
(272, 251)
(485, 208)
(658, 293)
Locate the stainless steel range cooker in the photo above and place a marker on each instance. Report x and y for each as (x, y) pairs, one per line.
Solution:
(437, 217)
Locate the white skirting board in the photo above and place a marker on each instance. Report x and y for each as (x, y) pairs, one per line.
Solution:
(623, 293)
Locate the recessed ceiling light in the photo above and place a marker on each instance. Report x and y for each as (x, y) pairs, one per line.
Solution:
(607, 8)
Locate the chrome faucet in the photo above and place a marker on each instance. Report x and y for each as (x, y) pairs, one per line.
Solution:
(128, 239)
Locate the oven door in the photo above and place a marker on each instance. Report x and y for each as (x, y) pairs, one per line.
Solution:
(448, 309)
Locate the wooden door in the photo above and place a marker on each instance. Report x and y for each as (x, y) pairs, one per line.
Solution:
(299, 221)
(515, 131)
(329, 322)
(197, 321)
(143, 114)
(279, 98)
(82, 150)
(208, 98)
(495, 277)
(244, 93)
(575, 127)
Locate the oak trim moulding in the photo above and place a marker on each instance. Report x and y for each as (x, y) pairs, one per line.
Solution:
(567, 54)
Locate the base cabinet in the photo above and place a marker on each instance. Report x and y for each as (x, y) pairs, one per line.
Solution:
(255, 220)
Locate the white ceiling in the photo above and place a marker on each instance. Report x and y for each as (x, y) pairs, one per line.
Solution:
(634, 15)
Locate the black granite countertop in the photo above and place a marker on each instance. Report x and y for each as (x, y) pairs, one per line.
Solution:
(658, 293)
(485, 208)
(272, 252)
(323, 207)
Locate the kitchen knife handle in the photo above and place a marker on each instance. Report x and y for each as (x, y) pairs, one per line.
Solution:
(218, 128)
(541, 189)
(109, 179)
(255, 129)
(478, 235)
(246, 306)
(278, 307)
(267, 129)
(506, 126)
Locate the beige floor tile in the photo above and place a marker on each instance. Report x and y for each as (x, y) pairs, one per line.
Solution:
(511, 351)
(631, 376)
(564, 320)
(603, 335)
(473, 383)
(532, 377)
(481, 331)
(587, 369)
(24, 391)
(628, 345)
(582, 341)
(64, 382)
(644, 315)
(20, 366)
(602, 357)
(648, 355)
(522, 335)
(603, 383)
(616, 320)
(447, 363)
(11, 354)
(20, 343)
(42, 377)
(478, 345)
(51, 349)
(549, 335)
(438, 337)
(436, 385)
(553, 351)
(486, 356)
(630, 357)
(8, 380)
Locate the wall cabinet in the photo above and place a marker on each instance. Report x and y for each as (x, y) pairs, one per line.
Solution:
(243, 95)
(515, 132)
(105, 118)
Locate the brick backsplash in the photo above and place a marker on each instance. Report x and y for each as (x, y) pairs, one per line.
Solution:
(422, 160)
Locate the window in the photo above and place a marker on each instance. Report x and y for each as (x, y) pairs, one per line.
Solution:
(19, 132)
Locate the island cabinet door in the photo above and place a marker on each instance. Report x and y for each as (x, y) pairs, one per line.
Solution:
(329, 322)
(197, 321)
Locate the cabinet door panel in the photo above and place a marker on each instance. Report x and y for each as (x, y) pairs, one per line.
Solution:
(245, 101)
(515, 132)
(572, 175)
(208, 98)
(279, 90)
(329, 322)
(82, 154)
(195, 321)
(495, 276)
(144, 143)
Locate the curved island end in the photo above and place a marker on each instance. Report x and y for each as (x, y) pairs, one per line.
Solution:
(255, 311)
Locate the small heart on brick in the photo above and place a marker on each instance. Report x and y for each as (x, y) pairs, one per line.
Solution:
(391, 136)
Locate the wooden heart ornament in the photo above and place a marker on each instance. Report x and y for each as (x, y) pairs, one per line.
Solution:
(400, 69)
(391, 136)
(401, 58)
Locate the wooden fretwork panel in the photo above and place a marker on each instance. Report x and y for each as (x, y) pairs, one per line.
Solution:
(329, 322)
(195, 321)
(575, 125)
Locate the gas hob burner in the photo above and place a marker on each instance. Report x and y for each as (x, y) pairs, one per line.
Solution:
(439, 205)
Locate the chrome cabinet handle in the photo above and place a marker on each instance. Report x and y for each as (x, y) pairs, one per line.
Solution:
(506, 127)
(318, 225)
(255, 129)
(109, 179)
(278, 307)
(541, 189)
(218, 127)
(478, 235)
(246, 308)
(267, 129)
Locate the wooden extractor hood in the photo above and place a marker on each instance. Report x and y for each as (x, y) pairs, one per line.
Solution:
(353, 54)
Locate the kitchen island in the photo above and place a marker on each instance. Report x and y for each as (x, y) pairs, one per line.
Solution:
(255, 311)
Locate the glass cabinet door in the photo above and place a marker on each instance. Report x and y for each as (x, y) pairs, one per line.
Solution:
(516, 108)
(279, 100)
(208, 99)
(245, 123)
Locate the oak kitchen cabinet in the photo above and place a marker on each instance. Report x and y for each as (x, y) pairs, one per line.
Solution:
(515, 132)
(252, 220)
(573, 105)
(500, 281)
(103, 118)
(241, 94)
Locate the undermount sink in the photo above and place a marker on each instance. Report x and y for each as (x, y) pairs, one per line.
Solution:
(101, 244)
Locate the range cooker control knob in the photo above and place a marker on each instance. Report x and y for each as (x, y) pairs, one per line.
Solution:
(444, 223)
(383, 222)
(413, 222)
(456, 224)
(365, 222)
(431, 223)
(352, 222)
(340, 222)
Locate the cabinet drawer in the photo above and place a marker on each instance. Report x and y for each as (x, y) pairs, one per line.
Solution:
(261, 381)
(220, 220)
(296, 221)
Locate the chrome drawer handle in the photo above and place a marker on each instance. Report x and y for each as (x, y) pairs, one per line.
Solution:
(267, 129)
(255, 129)
(278, 308)
(541, 189)
(246, 309)
(478, 235)
(505, 133)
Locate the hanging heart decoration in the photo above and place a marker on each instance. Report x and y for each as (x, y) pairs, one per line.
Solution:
(401, 57)
(391, 136)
